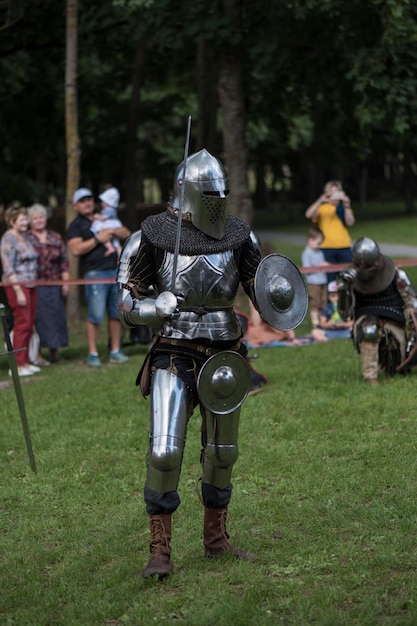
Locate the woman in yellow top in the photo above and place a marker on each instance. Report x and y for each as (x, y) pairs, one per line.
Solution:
(333, 214)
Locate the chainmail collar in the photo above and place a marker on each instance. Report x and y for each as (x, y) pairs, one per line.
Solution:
(161, 230)
(386, 303)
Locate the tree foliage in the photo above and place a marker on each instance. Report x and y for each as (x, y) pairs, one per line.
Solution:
(328, 90)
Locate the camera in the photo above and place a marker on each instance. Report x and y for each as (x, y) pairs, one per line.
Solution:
(337, 195)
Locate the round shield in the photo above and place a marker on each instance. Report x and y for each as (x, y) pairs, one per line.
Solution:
(223, 382)
(280, 292)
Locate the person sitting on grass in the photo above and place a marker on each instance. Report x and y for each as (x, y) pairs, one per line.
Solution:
(261, 333)
(334, 325)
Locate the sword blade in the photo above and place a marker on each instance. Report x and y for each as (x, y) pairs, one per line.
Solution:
(17, 388)
(181, 204)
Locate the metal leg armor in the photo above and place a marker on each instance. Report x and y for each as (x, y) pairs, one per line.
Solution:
(381, 344)
(392, 347)
(366, 334)
(221, 451)
(222, 384)
(170, 409)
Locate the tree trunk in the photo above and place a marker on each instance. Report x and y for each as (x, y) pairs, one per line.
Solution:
(134, 179)
(72, 144)
(207, 98)
(233, 112)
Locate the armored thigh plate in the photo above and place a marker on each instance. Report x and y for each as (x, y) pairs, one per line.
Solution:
(170, 410)
(223, 385)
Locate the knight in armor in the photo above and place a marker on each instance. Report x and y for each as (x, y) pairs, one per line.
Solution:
(380, 299)
(192, 319)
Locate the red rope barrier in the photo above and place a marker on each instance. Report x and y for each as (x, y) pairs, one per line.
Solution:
(58, 283)
(93, 281)
(337, 267)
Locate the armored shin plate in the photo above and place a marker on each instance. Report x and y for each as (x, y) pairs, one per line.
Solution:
(221, 451)
(170, 410)
(223, 382)
(281, 293)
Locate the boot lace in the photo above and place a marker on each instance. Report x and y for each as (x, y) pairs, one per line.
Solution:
(159, 542)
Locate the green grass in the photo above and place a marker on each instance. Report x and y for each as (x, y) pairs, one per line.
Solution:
(398, 228)
(324, 492)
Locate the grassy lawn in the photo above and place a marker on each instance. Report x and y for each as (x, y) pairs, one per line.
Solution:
(398, 228)
(324, 493)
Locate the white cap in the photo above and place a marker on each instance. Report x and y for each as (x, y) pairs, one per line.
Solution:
(81, 193)
(332, 287)
(111, 197)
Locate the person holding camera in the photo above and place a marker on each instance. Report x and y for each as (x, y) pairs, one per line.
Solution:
(333, 215)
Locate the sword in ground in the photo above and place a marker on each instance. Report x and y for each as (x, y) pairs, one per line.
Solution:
(17, 387)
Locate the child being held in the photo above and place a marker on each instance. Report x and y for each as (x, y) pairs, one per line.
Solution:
(107, 218)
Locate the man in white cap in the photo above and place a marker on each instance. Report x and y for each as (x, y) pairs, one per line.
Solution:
(97, 263)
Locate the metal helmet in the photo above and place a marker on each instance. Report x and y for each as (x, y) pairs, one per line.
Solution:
(205, 193)
(365, 253)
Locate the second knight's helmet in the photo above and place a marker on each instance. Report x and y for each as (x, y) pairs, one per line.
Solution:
(365, 252)
(206, 192)
(366, 256)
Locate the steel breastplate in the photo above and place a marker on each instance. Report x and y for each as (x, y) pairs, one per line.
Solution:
(208, 284)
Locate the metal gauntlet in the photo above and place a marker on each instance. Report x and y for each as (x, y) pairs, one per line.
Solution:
(141, 313)
(149, 311)
(348, 275)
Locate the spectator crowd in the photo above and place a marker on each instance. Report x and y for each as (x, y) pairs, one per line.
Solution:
(33, 255)
(32, 252)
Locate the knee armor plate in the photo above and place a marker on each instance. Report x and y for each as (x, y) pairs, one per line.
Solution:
(368, 330)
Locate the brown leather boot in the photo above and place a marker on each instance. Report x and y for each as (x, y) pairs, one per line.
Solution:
(160, 549)
(216, 539)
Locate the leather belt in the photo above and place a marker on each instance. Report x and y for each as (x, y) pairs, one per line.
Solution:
(207, 351)
(203, 310)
